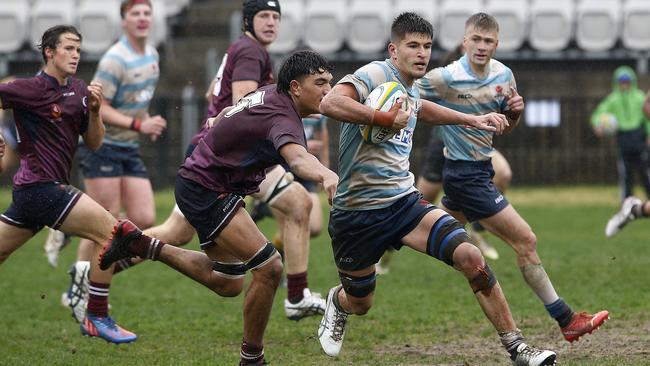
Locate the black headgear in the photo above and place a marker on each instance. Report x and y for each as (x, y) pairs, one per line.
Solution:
(252, 7)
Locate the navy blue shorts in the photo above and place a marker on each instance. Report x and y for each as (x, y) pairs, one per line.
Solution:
(38, 205)
(207, 211)
(111, 161)
(434, 160)
(360, 238)
(469, 189)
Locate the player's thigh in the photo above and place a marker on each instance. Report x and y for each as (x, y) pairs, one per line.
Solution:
(105, 191)
(418, 238)
(508, 225)
(12, 238)
(293, 201)
(458, 215)
(138, 200)
(316, 214)
(502, 170)
(429, 189)
(240, 237)
(89, 220)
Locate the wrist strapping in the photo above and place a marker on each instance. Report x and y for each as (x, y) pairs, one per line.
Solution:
(136, 123)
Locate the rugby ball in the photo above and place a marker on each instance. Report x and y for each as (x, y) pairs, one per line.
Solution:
(608, 124)
(383, 98)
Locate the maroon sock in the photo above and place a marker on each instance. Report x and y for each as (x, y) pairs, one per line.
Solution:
(295, 284)
(250, 354)
(98, 298)
(122, 265)
(147, 247)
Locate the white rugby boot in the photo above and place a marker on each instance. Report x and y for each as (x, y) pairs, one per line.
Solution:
(622, 217)
(332, 327)
(311, 304)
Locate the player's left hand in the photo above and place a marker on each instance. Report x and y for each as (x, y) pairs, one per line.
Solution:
(96, 96)
(330, 182)
(214, 120)
(493, 122)
(515, 103)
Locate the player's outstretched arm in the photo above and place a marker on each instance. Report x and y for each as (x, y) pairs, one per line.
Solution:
(306, 166)
(151, 126)
(342, 104)
(95, 133)
(438, 115)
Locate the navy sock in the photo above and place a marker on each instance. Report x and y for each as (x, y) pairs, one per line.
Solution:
(560, 311)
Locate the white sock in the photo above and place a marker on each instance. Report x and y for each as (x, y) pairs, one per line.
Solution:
(538, 281)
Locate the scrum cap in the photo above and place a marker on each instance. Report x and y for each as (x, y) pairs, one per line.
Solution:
(252, 7)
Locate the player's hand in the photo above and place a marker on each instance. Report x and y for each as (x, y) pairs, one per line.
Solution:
(515, 103)
(394, 118)
(96, 96)
(214, 120)
(402, 116)
(153, 127)
(330, 182)
(493, 122)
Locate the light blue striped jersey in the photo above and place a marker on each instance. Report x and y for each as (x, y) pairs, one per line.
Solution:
(374, 176)
(313, 125)
(129, 81)
(457, 87)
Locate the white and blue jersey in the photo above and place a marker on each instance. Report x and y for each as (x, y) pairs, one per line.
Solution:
(457, 87)
(129, 81)
(373, 176)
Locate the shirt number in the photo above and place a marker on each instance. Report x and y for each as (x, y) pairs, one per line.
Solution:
(249, 101)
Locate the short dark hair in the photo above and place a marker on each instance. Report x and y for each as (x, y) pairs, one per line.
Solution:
(51, 37)
(482, 21)
(299, 65)
(410, 23)
(128, 4)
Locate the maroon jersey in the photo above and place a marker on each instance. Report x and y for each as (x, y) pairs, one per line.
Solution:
(49, 119)
(234, 154)
(245, 59)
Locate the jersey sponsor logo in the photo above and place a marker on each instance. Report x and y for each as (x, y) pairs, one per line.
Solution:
(69, 94)
(55, 111)
(465, 96)
(403, 137)
(498, 199)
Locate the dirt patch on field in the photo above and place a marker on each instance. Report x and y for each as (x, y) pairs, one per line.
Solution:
(614, 344)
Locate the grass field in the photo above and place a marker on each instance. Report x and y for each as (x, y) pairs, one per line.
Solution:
(424, 312)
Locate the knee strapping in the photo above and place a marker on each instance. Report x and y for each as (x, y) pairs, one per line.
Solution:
(277, 189)
(358, 286)
(484, 280)
(262, 257)
(445, 236)
(231, 270)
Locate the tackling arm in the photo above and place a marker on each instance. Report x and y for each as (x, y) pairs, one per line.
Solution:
(306, 166)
